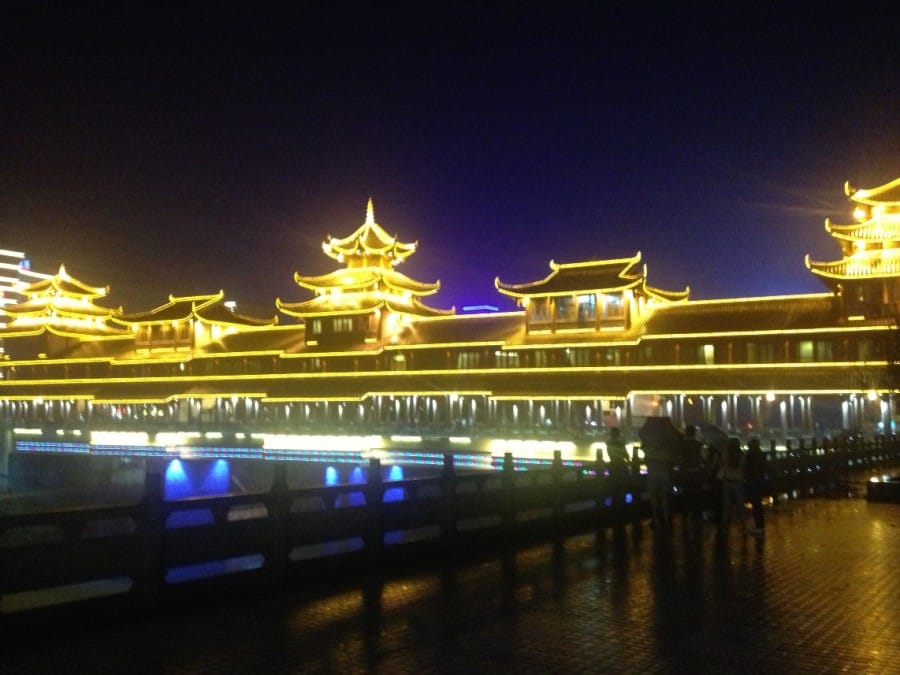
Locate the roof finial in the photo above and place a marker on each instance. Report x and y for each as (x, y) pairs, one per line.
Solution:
(370, 213)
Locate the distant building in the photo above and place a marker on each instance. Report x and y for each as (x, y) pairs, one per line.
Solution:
(15, 271)
(591, 345)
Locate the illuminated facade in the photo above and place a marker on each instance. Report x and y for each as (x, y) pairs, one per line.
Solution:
(593, 344)
(15, 272)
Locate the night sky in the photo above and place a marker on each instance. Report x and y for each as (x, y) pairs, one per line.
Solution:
(183, 148)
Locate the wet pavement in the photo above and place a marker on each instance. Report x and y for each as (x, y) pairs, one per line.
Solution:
(819, 593)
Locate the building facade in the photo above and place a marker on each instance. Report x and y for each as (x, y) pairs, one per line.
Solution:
(591, 345)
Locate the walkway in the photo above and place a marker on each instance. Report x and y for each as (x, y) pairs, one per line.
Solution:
(819, 594)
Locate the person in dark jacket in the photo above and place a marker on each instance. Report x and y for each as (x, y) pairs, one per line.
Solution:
(690, 481)
(755, 479)
(619, 475)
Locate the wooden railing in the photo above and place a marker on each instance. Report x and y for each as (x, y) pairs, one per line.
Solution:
(157, 552)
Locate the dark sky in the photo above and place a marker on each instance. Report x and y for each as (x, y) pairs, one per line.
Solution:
(183, 148)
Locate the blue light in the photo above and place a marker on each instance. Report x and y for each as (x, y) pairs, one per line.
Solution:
(177, 484)
(356, 476)
(394, 494)
(331, 476)
(197, 478)
(217, 479)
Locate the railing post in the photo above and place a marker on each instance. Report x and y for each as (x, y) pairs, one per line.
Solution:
(374, 492)
(279, 517)
(509, 500)
(448, 491)
(602, 484)
(556, 480)
(154, 527)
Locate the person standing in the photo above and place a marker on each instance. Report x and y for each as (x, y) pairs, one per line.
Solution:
(690, 480)
(659, 483)
(619, 475)
(755, 480)
(732, 475)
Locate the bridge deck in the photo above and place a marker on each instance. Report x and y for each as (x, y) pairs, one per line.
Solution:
(817, 594)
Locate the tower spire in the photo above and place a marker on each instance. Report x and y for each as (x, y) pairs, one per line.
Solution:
(370, 213)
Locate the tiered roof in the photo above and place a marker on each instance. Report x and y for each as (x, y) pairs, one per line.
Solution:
(871, 246)
(62, 305)
(368, 282)
(604, 276)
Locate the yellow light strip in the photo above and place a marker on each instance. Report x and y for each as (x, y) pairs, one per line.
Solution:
(434, 373)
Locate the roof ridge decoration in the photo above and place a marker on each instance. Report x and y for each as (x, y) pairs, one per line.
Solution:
(369, 245)
(368, 280)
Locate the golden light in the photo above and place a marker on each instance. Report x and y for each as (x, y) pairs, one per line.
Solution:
(860, 213)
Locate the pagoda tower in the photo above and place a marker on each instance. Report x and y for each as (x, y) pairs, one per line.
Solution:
(867, 278)
(60, 313)
(367, 300)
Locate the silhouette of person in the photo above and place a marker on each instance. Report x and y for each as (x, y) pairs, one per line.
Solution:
(691, 479)
(659, 483)
(755, 479)
(732, 475)
(619, 475)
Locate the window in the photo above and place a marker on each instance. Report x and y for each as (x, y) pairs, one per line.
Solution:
(343, 324)
(468, 360)
(539, 309)
(864, 350)
(578, 357)
(316, 326)
(805, 351)
(611, 357)
(587, 307)
(505, 359)
(612, 307)
(708, 354)
(564, 306)
(398, 362)
(824, 350)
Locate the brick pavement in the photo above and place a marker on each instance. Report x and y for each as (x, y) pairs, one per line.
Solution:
(817, 595)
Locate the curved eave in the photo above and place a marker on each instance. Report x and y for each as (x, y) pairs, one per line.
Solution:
(531, 291)
(625, 264)
(361, 280)
(668, 296)
(67, 287)
(401, 282)
(109, 334)
(13, 332)
(356, 278)
(618, 268)
(329, 306)
(368, 238)
(221, 316)
(417, 308)
(49, 311)
(178, 309)
(887, 194)
(838, 270)
(866, 231)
